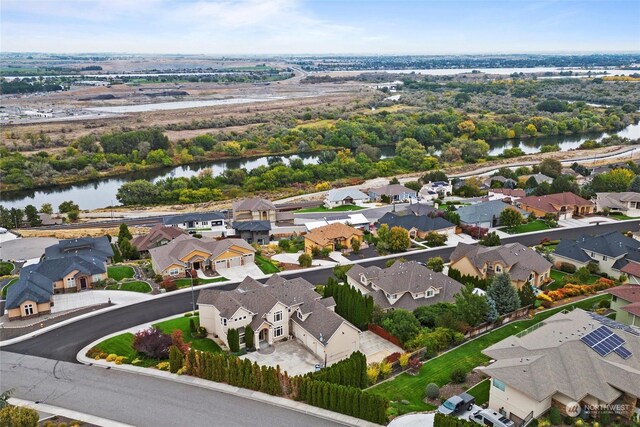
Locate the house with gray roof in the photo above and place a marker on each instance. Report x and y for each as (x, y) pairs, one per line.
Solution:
(567, 361)
(344, 196)
(405, 285)
(32, 294)
(395, 193)
(158, 235)
(539, 178)
(418, 225)
(280, 309)
(485, 214)
(612, 252)
(95, 247)
(253, 231)
(204, 221)
(627, 203)
(254, 209)
(523, 264)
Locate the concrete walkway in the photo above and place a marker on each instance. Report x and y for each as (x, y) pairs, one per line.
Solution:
(240, 272)
(63, 302)
(339, 258)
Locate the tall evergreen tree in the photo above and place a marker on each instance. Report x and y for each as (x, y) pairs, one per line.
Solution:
(504, 294)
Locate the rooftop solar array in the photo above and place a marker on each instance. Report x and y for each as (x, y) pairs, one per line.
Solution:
(615, 325)
(604, 341)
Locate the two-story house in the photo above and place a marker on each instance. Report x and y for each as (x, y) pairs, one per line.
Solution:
(436, 190)
(207, 221)
(405, 285)
(625, 301)
(253, 231)
(627, 203)
(560, 205)
(612, 252)
(279, 309)
(32, 294)
(332, 236)
(94, 247)
(523, 264)
(254, 209)
(185, 253)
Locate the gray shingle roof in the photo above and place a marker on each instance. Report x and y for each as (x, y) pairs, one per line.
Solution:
(612, 244)
(392, 190)
(338, 194)
(520, 259)
(617, 200)
(552, 359)
(97, 247)
(156, 234)
(484, 212)
(422, 222)
(420, 209)
(252, 226)
(194, 216)
(406, 278)
(253, 204)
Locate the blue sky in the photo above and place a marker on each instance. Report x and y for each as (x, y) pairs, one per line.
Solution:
(298, 26)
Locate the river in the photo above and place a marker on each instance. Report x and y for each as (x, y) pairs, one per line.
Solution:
(102, 192)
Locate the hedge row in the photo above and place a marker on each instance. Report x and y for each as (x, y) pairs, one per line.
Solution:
(349, 372)
(466, 279)
(342, 399)
(441, 420)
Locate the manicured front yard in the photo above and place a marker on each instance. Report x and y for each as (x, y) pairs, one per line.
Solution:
(536, 225)
(122, 344)
(183, 283)
(343, 208)
(558, 277)
(481, 391)
(119, 272)
(6, 287)
(621, 217)
(266, 265)
(466, 356)
(137, 286)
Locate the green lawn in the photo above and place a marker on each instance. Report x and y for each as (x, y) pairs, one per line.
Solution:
(536, 225)
(467, 356)
(557, 276)
(182, 323)
(6, 268)
(266, 265)
(6, 287)
(136, 286)
(343, 208)
(184, 283)
(621, 217)
(480, 391)
(119, 272)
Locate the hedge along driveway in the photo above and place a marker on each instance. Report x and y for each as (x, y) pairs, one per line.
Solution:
(466, 356)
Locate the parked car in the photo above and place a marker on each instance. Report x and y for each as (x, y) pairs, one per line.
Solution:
(487, 417)
(456, 404)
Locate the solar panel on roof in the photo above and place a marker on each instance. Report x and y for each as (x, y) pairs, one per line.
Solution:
(604, 341)
(613, 324)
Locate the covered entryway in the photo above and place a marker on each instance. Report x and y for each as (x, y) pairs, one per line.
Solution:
(83, 283)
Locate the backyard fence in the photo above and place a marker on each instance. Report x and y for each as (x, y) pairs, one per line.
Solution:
(381, 332)
(485, 327)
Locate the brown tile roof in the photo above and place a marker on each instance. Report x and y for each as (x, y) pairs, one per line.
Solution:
(157, 233)
(517, 192)
(629, 293)
(632, 269)
(329, 233)
(551, 203)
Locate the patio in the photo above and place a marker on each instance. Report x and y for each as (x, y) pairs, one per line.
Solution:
(292, 357)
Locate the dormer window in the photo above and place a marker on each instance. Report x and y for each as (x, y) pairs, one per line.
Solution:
(429, 293)
(593, 254)
(363, 279)
(604, 258)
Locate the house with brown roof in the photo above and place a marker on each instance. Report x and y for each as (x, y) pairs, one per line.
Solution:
(405, 285)
(331, 237)
(523, 264)
(254, 209)
(560, 205)
(573, 357)
(278, 310)
(625, 300)
(158, 235)
(186, 253)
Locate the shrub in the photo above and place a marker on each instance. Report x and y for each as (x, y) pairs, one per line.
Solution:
(392, 357)
(554, 416)
(414, 365)
(305, 260)
(432, 391)
(201, 332)
(233, 338)
(163, 366)
(605, 304)
(605, 418)
(188, 314)
(112, 357)
(168, 285)
(373, 371)
(18, 416)
(458, 376)
(385, 369)
(249, 337)
(404, 360)
(175, 359)
(192, 326)
(152, 342)
(567, 268)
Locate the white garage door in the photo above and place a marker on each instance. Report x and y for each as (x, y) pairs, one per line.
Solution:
(235, 262)
(221, 264)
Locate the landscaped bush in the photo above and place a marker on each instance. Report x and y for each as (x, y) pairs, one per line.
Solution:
(404, 360)
(18, 416)
(169, 285)
(350, 303)
(605, 304)
(152, 342)
(233, 339)
(385, 369)
(350, 372)
(458, 376)
(432, 391)
(305, 260)
(201, 332)
(441, 420)
(554, 416)
(373, 372)
(175, 359)
(567, 267)
(249, 337)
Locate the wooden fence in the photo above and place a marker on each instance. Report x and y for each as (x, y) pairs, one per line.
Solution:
(484, 327)
(381, 332)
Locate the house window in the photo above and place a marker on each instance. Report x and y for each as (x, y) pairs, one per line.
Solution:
(278, 331)
(604, 258)
(363, 279)
(614, 298)
(498, 268)
(277, 317)
(224, 322)
(498, 384)
(71, 282)
(429, 293)
(174, 272)
(205, 222)
(28, 309)
(593, 254)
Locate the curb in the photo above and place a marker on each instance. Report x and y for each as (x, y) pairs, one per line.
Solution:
(68, 413)
(257, 396)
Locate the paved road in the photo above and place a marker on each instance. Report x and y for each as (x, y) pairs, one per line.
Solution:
(65, 342)
(138, 400)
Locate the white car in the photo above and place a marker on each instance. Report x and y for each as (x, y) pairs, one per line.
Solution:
(3, 230)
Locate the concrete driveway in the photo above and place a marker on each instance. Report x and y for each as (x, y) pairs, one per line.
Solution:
(376, 348)
(292, 357)
(27, 248)
(63, 302)
(240, 272)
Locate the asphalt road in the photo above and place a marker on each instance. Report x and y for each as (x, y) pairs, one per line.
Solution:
(138, 400)
(65, 342)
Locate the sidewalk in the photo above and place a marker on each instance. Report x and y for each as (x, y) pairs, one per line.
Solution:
(225, 388)
(67, 413)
